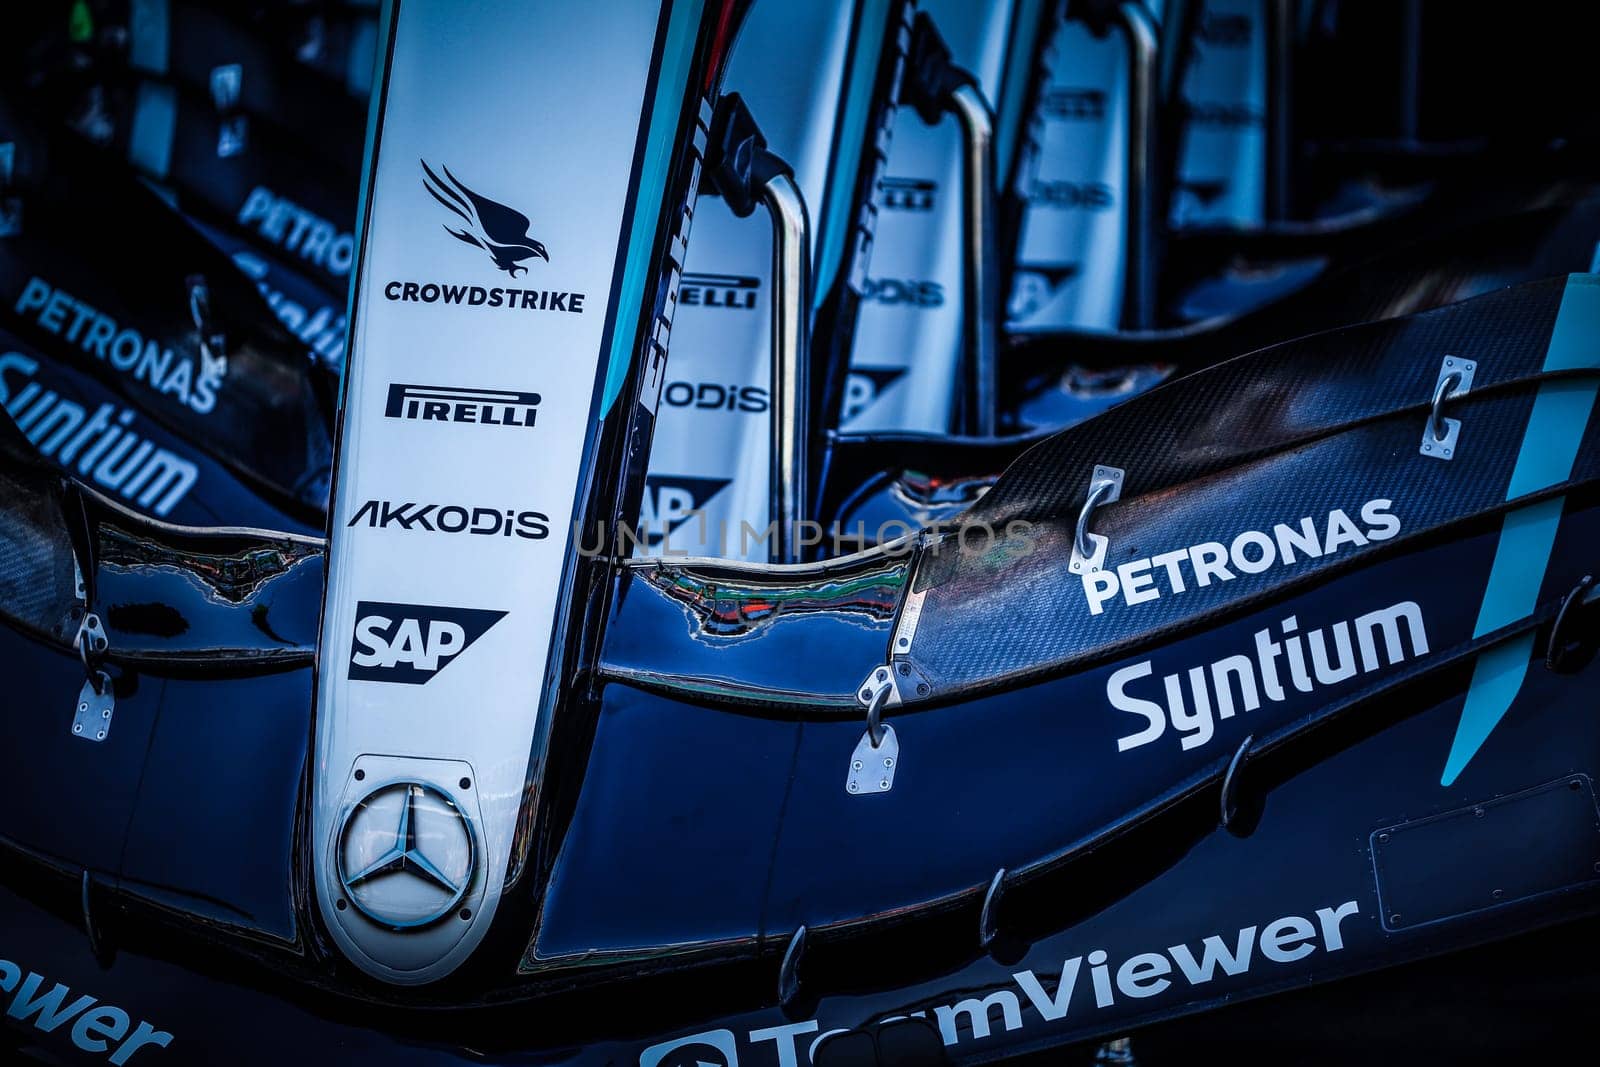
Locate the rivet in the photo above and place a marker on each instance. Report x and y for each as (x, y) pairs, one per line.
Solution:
(888, 761)
(905, 668)
(360, 774)
(1382, 838)
(77, 728)
(856, 765)
(882, 674)
(866, 694)
(101, 736)
(884, 784)
(852, 787)
(904, 641)
(466, 783)
(1394, 920)
(466, 913)
(1498, 893)
(1478, 812)
(340, 904)
(922, 688)
(106, 714)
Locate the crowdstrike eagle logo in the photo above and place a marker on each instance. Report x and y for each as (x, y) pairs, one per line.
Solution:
(492, 226)
(410, 643)
(500, 231)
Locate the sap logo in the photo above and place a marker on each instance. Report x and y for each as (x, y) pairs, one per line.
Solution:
(907, 194)
(865, 385)
(895, 291)
(714, 1048)
(709, 396)
(444, 403)
(410, 643)
(1136, 581)
(192, 382)
(1084, 196)
(298, 231)
(1224, 30)
(1252, 679)
(737, 291)
(670, 500)
(497, 229)
(101, 447)
(1083, 104)
(1226, 116)
(452, 518)
(97, 1027)
(1034, 287)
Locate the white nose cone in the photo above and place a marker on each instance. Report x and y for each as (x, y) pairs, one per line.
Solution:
(475, 378)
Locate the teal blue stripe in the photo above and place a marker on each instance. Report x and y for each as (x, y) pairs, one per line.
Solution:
(670, 80)
(1576, 336)
(1496, 680)
(1556, 423)
(839, 207)
(1555, 427)
(1526, 537)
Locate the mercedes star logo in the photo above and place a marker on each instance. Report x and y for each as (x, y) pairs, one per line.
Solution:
(405, 856)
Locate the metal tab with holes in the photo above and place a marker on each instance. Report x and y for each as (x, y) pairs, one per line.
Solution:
(872, 766)
(92, 719)
(1089, 549)
(1440, 437)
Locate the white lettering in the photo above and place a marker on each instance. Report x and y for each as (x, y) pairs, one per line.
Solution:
(1140, 581)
